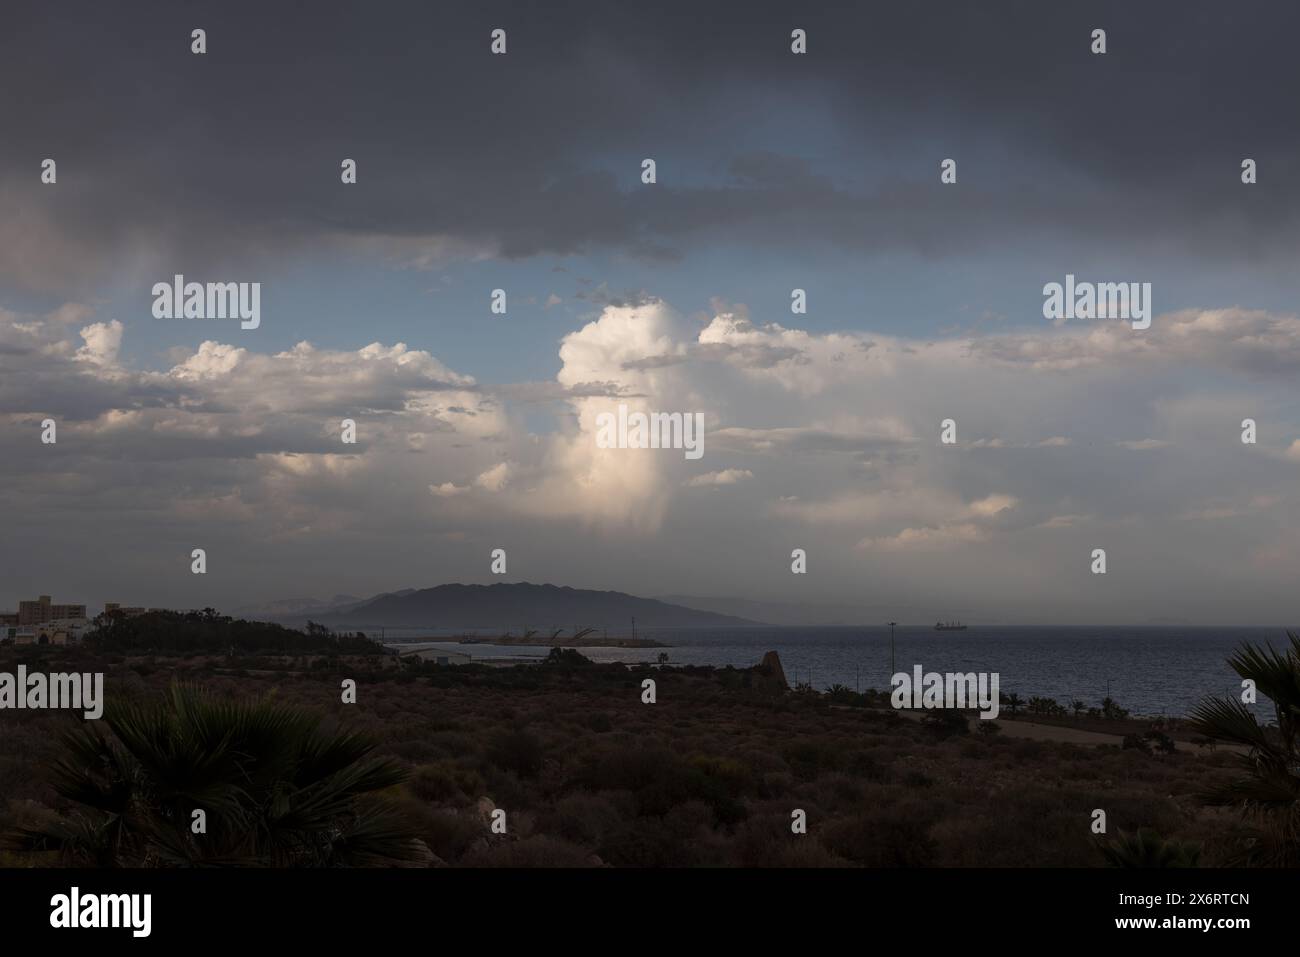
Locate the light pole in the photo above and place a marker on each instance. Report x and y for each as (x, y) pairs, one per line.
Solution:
(891, 650)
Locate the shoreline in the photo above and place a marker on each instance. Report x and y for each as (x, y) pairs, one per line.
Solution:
(531, 642)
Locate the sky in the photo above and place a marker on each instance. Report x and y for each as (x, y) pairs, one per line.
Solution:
(775, 171)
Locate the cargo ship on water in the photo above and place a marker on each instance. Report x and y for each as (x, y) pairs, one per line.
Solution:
(949, 626)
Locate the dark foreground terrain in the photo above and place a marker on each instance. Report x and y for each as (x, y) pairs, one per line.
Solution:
(709, 775)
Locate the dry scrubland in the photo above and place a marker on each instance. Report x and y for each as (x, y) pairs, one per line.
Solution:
(708, 776)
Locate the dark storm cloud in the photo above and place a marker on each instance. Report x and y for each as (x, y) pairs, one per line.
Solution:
(196, 161)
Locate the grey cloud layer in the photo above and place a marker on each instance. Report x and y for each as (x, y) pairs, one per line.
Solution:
(227, 156)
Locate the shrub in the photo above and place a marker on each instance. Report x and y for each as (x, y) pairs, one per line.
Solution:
(1111, 711)
(767, 841)
(517, 750)
(647, 842)
(887, 839)
(945, 724)
(444, 782)
(1135, 742)
(538, 850)
(1160, 741)
(863, 764)
(1147, 849)
(807, 759)
(917, 779)
(566, 658)
(582, 817)
(450, 834)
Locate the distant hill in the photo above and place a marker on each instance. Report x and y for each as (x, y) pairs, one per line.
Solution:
(519, 605)
(297, 607)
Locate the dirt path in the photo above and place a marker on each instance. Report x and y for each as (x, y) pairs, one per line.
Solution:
(1036, 732)
(1054, 732)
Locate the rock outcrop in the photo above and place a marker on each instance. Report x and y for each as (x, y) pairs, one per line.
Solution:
(769, 675)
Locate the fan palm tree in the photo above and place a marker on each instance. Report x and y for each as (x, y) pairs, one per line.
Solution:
(274, 789)
(1268, 792)
(1146, 848)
